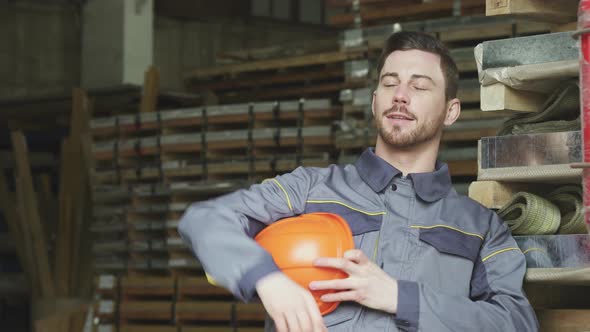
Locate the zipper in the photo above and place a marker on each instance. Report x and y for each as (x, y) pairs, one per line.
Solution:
(374, 259)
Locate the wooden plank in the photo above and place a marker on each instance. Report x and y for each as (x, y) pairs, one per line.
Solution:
(151, 86)
(15, 284)
(220, 311)
(15, 224)
(492, 31)
(469, 95)
(467, 135)
(199, 287)
(299, 61)
(494, 194)
(404, 10)
(25, 228)
(348, 3)
(562, 11)
(467, 114)
(80, 191)
(137, 286)
(221, 329)
(462, 167)
(250, 312)
(47, 203)
(571, 26)
(62, 255)
(147, 328)
(572, 320)
(145, 310)
(269, 80)
(31, 214)
(63, 319)
(499, 97)
(302, 91)
(557, 296)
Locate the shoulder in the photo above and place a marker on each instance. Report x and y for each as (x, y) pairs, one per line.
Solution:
(469, 211)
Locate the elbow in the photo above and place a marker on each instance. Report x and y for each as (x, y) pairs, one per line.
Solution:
(188, 222)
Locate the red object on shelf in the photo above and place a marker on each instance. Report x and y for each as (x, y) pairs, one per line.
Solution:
(296, 242)
(584, 23)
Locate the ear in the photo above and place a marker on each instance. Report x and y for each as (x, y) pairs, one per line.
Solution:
(373, 103)
(453, 111)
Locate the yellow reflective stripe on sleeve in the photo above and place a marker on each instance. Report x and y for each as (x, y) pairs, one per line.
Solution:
(348, 206)
(284, 191)
(211, 280)
(449, 227)
(533, 249)
(498, 252)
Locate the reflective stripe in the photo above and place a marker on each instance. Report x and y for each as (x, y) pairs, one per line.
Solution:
(449, 227)
(498, 252)
(211, 280)
(533, 249)
(348, 206)
(283, 189)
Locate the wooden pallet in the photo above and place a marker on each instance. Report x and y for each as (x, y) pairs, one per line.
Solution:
(217, 118)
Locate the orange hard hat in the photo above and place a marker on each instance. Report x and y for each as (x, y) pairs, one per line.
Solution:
(296, 242)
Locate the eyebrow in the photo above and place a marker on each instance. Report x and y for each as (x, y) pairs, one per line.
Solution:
(412, 78)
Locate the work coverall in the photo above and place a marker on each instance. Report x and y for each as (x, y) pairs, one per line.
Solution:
(458, 268)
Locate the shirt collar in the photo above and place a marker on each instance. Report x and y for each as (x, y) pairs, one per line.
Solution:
(378, 174)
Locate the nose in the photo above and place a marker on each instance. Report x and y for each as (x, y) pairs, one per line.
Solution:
(401, 95)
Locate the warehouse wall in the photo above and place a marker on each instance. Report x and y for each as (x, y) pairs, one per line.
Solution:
(183, 45)
(40, 48)
(40, 51)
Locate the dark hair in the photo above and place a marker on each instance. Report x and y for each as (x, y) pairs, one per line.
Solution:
(412, 40)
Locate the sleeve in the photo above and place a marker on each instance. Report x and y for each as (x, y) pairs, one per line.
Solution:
(219, 231)
(496, 302)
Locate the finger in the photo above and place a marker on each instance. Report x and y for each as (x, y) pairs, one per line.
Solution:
(292, 322)
(314, 313)
(342, 296)
(339, 284)
(336, 263)
(280, 323)
(357, 256)
(304, 319)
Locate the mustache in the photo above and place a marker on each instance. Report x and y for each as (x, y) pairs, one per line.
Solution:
(399, 109)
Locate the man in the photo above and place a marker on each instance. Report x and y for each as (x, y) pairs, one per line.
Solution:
(426, 258)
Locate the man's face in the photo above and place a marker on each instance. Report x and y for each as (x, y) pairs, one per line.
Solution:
(409, 104)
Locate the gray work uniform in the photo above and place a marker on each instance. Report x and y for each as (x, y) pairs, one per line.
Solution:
(457, 265)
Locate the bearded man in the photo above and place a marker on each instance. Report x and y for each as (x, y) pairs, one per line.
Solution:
(425, 257)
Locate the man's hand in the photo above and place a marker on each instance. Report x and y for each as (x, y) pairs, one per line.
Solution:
(366, 284)
(290, 306)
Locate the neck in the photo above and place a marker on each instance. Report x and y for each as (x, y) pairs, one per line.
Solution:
(419, 158)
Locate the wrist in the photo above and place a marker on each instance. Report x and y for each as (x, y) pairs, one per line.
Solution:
(392, 298)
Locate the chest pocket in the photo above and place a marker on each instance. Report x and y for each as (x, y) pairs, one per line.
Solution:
(446, 257)
(452, 241)
(359, 221)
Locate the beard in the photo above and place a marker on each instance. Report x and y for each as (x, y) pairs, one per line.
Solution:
(403, 137)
